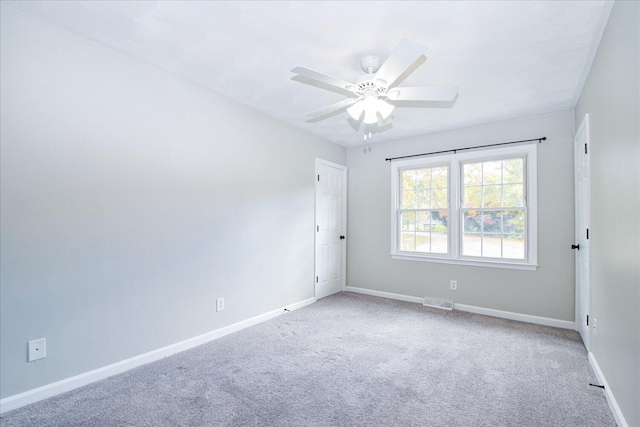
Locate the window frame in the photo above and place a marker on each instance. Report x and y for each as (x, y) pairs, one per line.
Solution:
(455, 223)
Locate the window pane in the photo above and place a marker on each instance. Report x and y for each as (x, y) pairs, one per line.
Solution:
(513, 170)
(423, 178)
(473, 197)
(513, 222)
(439, 176)
(423, 221)
(513, 247)
(408, 200)
(407, 221)
(439, 243)
(472, 221)
(439, 232)
(492, 172)
(472, 173)
(513, 195)
(408, 179)
(423, 199)
(423, 242)
(439, 198)
(471, 245)
(492, 246)
(492, 196)
(440, 220)
(492, 222)
(407, 241)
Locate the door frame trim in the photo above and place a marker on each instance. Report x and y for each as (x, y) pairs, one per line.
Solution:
(343, 225)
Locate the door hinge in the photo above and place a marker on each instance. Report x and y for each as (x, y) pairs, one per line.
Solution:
(318, 178)
(317, 228)
(587, 234)
(587, 320)
(316, 279)
(585, 148)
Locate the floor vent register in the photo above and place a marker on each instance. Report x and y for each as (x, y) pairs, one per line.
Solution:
(438, 303)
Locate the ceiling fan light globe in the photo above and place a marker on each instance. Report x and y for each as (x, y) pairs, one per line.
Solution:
(370, 116)
(355, 111)
(384, 108)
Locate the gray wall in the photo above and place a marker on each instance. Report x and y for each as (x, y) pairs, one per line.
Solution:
(546, 292)
(131, 200)
(611, 98)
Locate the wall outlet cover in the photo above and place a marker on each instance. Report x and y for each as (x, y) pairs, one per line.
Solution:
(37, 349)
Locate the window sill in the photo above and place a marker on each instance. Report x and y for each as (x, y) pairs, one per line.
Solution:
(474, 263)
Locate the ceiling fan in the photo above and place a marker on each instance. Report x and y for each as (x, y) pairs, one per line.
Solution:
(374, 93)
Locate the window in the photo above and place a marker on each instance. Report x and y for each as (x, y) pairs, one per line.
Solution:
(424, 208)
(474, 208)
(493, 211)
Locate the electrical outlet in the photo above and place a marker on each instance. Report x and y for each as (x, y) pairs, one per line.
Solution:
(220, 304)
(454, 285)
(37, 349)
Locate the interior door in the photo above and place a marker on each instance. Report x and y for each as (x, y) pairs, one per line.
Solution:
(330, 251)
(582, 245)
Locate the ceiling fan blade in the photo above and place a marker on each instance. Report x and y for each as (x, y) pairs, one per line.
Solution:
(423, 93)
(333, 107)
(324, 78)
(406, 53)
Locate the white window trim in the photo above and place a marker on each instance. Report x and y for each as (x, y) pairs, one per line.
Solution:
(454, 161)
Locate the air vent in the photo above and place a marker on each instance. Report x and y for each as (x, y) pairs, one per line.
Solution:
(438, 303)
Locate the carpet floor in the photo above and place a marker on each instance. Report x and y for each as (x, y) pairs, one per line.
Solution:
(351, 360)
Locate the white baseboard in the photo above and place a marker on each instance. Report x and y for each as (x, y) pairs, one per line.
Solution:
(564, 324)
(67, 384)
(382, 294)
(538, 320)
(611, 400)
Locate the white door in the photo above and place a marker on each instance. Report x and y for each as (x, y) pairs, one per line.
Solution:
(331, 209)
(581, 246)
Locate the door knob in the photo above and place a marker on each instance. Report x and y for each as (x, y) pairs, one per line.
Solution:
(575, 247)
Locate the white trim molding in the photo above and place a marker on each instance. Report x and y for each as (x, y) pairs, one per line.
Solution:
(382, 294)
(611, 400)
(527, 318)
(31, 396)
(463, 261)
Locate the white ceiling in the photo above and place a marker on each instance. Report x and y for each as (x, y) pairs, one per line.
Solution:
(510, 59)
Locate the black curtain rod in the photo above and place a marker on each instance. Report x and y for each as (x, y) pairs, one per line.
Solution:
(544, 138)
